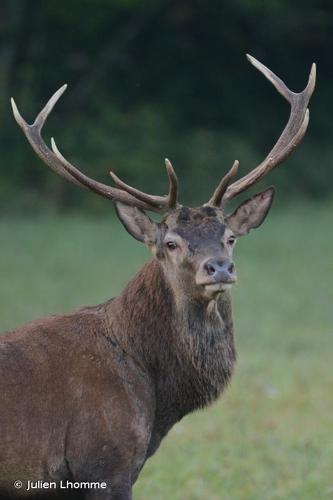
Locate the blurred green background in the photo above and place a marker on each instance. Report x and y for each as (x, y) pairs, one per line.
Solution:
(149, 79)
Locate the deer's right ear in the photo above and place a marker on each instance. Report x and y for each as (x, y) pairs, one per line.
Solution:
(137, 223)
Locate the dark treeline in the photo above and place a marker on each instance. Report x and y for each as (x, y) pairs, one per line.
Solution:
(149, 79)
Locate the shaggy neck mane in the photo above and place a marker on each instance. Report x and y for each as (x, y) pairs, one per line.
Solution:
(186, 347)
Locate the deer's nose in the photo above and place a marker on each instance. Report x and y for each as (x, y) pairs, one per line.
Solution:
(220, 270)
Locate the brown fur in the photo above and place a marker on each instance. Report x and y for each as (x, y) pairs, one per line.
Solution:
(88, 396)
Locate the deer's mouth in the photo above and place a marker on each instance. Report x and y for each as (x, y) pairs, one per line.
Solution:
(221, 286)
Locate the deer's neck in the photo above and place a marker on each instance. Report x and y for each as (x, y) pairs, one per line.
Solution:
(186, 346)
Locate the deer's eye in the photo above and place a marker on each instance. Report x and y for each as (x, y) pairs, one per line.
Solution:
(172, 245)
(231, 240)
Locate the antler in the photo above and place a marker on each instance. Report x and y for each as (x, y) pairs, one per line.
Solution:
(216, 199)
(58, 163)
(287, 142)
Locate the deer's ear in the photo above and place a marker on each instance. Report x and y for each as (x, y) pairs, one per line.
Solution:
(137, 223)
(251, 213)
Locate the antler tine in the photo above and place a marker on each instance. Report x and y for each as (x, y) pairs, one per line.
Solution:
(104, 190)
(33, 134)
(173, 184)
(216, 199)
(58, 163)
(291, 135)
(169, 201)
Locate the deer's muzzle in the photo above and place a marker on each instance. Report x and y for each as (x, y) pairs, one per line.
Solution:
(216, 272)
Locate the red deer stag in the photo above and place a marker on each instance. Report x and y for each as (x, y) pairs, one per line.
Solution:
(87, 397)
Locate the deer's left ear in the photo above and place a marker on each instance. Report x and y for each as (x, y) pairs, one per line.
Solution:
(137, 223)
(251, 213)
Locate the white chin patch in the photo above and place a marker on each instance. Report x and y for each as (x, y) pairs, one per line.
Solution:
(217, 287)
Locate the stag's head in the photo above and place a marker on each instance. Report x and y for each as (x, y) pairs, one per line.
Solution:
(193, 245)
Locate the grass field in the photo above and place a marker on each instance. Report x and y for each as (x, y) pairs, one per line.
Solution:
(271, 435)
